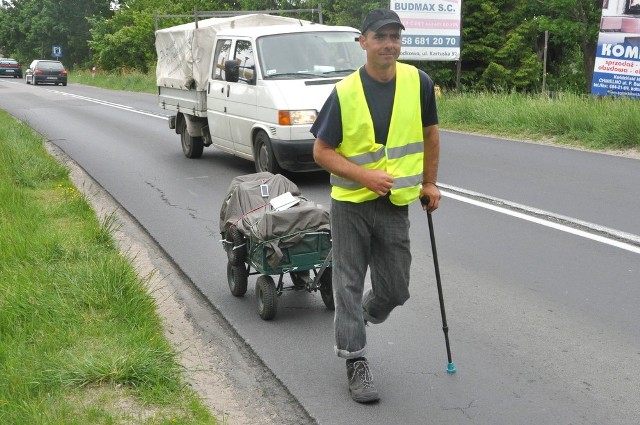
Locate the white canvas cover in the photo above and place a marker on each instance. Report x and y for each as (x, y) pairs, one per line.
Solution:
(184, 52)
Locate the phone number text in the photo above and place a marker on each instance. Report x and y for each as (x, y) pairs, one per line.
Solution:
(430, 41)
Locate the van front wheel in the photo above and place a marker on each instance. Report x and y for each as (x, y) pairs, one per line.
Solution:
(263, 153)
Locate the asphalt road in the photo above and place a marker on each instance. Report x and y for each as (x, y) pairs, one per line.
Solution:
(539, 254)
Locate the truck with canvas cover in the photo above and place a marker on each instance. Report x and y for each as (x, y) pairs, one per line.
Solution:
(252, 85)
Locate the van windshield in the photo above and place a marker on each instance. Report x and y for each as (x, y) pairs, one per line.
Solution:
(310, 55)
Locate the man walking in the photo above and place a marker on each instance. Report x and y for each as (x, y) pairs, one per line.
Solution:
(377, 135)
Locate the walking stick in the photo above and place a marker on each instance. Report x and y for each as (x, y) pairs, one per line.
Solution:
(451, 368)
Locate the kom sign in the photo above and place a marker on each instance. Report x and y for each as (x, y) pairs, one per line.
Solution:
(432, 29)
(617, 64)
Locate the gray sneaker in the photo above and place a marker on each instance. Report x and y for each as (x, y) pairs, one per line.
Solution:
(361, 382)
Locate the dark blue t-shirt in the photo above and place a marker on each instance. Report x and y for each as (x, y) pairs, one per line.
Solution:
(328, 125)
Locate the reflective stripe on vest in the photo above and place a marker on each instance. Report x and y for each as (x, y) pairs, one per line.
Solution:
(402, 157)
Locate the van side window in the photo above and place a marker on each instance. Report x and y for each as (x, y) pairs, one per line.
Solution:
(245, 58)
(221, 54)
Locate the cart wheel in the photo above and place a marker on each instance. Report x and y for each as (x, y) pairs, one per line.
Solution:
(267, 297)
(237, 253)
(326, 289)
(237, 278)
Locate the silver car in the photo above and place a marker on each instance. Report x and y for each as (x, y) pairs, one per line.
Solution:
(46, 72)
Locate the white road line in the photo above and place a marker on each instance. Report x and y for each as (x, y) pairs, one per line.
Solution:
(534, 214)
(111, 104)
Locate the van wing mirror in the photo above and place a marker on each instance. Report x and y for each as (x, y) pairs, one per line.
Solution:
(231, 71)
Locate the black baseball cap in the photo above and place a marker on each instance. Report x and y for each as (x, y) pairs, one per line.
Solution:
(378, 18)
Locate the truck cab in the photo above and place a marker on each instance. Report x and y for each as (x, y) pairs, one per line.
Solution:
(267, 85)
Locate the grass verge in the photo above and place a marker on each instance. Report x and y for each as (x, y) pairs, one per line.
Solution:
(116, 80)
(583, 121)
(81, 340)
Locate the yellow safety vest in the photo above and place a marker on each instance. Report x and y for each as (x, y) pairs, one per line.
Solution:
(402, 156)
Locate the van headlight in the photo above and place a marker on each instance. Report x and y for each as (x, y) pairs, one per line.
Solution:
(297, 117)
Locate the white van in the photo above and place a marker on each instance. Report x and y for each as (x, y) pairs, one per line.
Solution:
(267, 77)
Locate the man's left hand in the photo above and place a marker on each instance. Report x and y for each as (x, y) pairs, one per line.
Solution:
(431, 191)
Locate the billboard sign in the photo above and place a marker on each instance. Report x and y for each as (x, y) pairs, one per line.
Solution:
(432, 29)
(617, 65)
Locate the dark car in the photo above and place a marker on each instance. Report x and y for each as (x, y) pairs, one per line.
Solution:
(10, 68)
(46, 72)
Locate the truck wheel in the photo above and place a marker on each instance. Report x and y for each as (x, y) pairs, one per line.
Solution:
(192, 147)
(326, 289)
(267, 297)
(264, 158)
(237, 278)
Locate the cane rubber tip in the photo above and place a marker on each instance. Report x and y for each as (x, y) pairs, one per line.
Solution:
(451, 368)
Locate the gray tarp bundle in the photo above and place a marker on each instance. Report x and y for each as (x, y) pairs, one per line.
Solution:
(245, 208)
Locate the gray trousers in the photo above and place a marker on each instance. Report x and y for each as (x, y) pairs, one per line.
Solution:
(374, 235)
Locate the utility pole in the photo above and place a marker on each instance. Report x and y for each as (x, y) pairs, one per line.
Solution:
(459, 63)
(544, 68)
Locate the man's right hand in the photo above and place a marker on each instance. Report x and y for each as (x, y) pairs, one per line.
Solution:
(326, 156)
(378, 181)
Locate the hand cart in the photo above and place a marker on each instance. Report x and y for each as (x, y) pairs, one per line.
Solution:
(260, 240)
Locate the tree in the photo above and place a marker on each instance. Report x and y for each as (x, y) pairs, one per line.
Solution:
(503, 44)
(494, 45)
(29, 28)
(502, 47)
(127, 39)
(518, 58)
(349, 12)
(572, 24)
